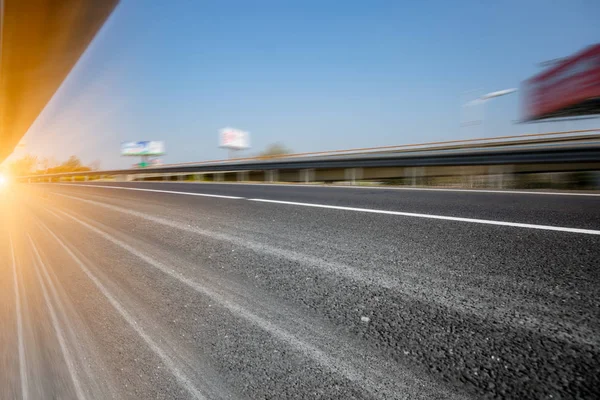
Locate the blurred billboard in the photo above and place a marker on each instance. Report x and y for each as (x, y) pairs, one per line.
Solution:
(234, 139)
(144, 148)
(569, 88)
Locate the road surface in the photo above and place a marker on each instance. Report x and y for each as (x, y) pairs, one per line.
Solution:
(227, 291)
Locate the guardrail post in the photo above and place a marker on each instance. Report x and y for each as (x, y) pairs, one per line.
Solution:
(500, 179)
(86, 178)
(271, 175)
(165, 178)
(180, 178)
(414, 173)
(595, 178)
(506, 177)
(242, 176)
(352, 175)
(499, 173)
(307, 175)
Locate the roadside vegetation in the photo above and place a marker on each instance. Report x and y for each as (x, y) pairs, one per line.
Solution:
(32, 165)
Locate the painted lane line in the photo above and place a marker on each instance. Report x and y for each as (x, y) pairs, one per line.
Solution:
(301, 185)
(439, 217)
(475, 191)
(406, 188)
(388, 212)
(55, 323)
(21, 345)
(171, 364)
(154, 190)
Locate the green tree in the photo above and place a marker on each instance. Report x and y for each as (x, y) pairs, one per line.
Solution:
(47, 163)
(72, 163)
(23, 166)
(28, 165)
(275, 149)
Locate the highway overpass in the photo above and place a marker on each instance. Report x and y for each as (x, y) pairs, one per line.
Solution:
(40, 42)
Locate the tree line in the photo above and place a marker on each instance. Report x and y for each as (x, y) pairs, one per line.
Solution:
(31, 165)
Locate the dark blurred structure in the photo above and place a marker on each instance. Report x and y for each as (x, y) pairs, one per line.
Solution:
(569, 88)
(41, 40)
(565, 160)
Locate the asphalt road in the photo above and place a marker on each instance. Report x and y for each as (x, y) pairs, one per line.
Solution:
(209, 291)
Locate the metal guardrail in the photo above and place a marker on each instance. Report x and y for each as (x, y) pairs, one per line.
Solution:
(554, 147)
(439, 145)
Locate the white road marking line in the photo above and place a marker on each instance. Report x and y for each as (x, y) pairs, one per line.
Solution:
(169, 363)
(303, 185)
(398, 213)
(153, 190)
(439, 217)
(21, 345)
(500, 191)
(57, 329)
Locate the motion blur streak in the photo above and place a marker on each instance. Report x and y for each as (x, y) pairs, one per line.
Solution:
(372, 383)
(41, 41)
(185, 381)
(157, 295)
(55, 323)
(22, 361)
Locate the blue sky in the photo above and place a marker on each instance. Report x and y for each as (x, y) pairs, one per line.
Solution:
(312, 74)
